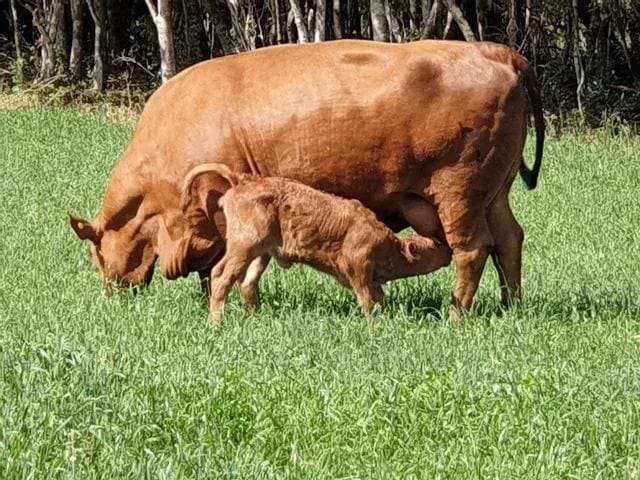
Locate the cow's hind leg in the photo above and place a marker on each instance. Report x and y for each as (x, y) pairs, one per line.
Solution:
(507, 253)
(468, 235)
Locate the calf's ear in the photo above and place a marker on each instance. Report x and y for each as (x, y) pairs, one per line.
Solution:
(84, 230)
(410, 248)
(204, 185)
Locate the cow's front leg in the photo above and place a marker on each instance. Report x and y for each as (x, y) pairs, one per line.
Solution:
(205, 274)
(205, 283)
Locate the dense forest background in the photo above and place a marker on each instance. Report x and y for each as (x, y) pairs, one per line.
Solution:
(586, 52)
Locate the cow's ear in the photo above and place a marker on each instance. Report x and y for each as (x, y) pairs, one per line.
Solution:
(84, 230)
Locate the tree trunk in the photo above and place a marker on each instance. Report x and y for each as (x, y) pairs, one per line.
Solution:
(634, 38)
(220, 17)
(429, 17)
(60, 43)
(311, 23)
(164, 25)
(276, 22)
(291, 29)
(447, 26)
(354, 19)
(463, 25)
(17, 42)
(512, 26)
(298, 18)
(337, 26)
(194, 34)
(47, 19)
(481, 17)
(97, 9)
(321, 20)
(77, 37)
(414, 20)
(395, 30)
(601, 53)
(577, 58)
(379, 25)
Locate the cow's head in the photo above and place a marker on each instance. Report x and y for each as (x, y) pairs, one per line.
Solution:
(123, 256)
(125, 247)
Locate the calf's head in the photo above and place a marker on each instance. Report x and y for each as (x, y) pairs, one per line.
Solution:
(411, 256)
(424, 255)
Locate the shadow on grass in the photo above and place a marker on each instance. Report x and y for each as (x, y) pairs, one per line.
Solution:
(420, 300)
(584, 304)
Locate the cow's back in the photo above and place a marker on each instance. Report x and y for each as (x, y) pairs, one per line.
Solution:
(359, 119)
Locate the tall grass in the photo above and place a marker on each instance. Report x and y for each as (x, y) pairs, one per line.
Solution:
(143, 387)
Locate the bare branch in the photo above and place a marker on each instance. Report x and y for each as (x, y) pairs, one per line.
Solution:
(462, 23)
(152, 9)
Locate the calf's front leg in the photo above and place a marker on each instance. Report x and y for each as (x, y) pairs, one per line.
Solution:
(224, 274)
(368, 297)
(367, 292)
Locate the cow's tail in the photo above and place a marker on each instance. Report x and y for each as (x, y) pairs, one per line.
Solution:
(223, 180)
(530, 176)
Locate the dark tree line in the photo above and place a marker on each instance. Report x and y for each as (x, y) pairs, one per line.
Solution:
(586, 52)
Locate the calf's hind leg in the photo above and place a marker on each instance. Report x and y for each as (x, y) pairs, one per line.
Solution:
(250, 283)
(507, 253)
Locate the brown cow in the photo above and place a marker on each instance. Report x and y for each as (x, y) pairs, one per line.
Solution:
(387, 124)
(274, 217)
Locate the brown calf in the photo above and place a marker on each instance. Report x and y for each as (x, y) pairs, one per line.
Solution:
(275, 217)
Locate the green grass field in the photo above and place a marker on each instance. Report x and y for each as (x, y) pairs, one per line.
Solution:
(124, 387)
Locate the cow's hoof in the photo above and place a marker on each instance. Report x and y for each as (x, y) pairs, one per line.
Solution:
(455, 315)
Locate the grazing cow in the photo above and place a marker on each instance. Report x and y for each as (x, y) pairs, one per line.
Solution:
(391, 125)
(274, 217)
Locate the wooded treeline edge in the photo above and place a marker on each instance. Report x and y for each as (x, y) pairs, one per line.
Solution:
(586, 53)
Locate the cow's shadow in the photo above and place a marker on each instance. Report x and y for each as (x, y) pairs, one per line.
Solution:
(427, 300)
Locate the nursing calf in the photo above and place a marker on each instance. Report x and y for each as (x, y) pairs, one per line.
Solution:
(275, 217)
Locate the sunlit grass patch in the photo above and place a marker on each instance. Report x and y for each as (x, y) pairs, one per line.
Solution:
(131, 387)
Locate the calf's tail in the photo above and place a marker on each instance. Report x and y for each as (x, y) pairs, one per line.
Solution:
(221, 176)
(530, 176)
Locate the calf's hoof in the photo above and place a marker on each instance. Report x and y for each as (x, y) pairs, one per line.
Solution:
(215, 318)
(373, 324)
(251, 298)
